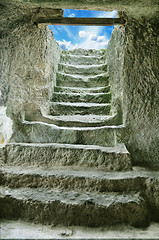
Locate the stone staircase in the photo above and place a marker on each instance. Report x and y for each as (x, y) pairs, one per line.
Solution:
(68, 167)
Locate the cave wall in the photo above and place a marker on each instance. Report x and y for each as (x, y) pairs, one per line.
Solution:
(29, 59)
(115, 59)
(141, 91)
(134, 60)
(136, 8)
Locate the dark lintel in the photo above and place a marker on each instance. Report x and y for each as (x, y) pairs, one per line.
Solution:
(80, 21)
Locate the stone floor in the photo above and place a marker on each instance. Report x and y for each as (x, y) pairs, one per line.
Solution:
(24, 230)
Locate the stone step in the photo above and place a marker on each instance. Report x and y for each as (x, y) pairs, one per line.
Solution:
(40, 132)
(73, 208)
(68, 108)
(50, 155)
(81, 97)
(81, 60)
(80, 120)
(70, 80)
(73, 179)
(20, 229)
(82, 69)
(86, 52)
(82, 90)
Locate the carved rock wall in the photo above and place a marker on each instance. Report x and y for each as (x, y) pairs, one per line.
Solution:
(133, 63)
(29, 59)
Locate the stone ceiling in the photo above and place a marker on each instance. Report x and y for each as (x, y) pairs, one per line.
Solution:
(134, 8)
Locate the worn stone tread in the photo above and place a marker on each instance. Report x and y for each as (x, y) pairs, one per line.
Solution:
(82, 90)
(82, 108)
(73, 208)
(83, 104)
(81, 97)
(77, 80)
(116, 149)
(37, 132)
(74, 178)
(82, 59)
(82, 69)
(81, 120)
(85, 52)
(19, 229)
(53, 154)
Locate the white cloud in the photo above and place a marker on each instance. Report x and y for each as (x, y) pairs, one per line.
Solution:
(93, 44)
(83, 34)
(64, 44)
(90, 31)
(107, 14)
(101, 38)
(93, 38)
(67, 45)
(72, 15)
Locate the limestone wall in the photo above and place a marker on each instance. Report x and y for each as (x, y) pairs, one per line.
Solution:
(29, 58)
(115, 59)
(134, 64)
(29, 65)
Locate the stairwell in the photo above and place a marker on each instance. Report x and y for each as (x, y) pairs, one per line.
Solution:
(69, 167)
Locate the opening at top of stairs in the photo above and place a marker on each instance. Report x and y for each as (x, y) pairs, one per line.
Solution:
(85, 37)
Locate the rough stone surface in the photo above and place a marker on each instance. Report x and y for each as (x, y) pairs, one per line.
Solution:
(2, 155)
(82, 90)
(80, 59)
(73, 208)
(152, 195)
(38, 132)
(108, 158)
(74, 80)
(82, 97)
(74, 178)
(21, 229)
(141, 88)
(138, 9)
(133, 64)
(79, 120)
(115, 65)
(82, 69)
(29, 57)
(67, 108)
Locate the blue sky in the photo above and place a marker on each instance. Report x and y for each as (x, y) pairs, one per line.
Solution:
(87, 37)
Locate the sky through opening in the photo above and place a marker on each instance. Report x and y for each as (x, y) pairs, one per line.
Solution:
(87, 37)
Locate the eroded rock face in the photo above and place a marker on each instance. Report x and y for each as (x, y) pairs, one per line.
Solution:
(133, 61)
(29, 58)
(152, 194)
(141, 89)
(137, 8)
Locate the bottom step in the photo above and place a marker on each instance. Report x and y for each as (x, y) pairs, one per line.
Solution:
(73, 208)
(18, 229)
